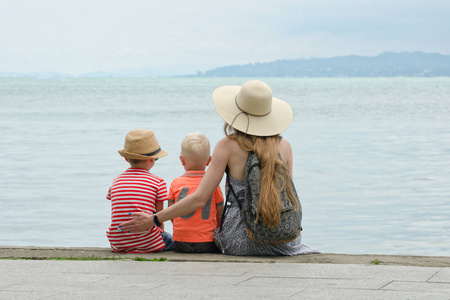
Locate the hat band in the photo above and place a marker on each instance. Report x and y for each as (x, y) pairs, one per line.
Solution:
(153, 153)
(247, 114)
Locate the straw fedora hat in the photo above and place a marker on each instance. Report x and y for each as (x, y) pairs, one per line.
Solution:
(252, 109)
(141, 144)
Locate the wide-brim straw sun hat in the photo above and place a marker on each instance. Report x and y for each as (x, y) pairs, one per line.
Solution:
(141, 144)
(252, 109)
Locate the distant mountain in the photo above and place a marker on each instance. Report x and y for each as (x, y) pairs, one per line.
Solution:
(417, 64)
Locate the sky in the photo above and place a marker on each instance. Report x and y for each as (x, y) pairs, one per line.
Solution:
(81, 36)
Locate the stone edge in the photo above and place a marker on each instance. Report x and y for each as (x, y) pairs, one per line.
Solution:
(14, 252)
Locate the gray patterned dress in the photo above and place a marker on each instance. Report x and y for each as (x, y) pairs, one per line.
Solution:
(233, 239)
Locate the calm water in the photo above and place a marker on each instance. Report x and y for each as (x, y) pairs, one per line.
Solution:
(372, 156)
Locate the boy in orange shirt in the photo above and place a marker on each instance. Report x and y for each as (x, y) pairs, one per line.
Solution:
(193, 233)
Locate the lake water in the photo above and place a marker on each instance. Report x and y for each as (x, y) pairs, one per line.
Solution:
(371, 155)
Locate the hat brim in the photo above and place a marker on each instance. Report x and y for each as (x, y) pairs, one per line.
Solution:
(278, 120)
(129, 155)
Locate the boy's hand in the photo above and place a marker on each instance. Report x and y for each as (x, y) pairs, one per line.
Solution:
(141, 222)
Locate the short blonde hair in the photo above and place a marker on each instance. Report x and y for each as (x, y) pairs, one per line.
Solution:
(195, 146)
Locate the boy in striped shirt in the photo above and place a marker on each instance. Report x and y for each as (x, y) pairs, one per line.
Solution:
(137, 190)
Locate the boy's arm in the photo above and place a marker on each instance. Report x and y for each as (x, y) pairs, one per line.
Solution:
(108, 196)
(159, 207)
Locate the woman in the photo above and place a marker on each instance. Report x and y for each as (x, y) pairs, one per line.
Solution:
(254, 120)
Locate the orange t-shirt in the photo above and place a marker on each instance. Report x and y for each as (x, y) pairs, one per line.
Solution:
(197, 226)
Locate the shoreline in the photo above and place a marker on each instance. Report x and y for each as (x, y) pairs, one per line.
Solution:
(43, 253)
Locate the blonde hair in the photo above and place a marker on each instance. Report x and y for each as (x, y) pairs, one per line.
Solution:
(274, 173)
(196, 146)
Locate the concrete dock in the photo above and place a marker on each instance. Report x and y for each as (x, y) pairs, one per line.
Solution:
(97, 273)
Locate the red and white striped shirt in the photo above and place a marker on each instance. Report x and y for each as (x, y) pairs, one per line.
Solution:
(135, 190)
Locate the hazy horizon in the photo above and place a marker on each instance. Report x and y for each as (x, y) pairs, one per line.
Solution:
(381, 66)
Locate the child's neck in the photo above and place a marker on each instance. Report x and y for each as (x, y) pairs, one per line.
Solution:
(193, 165)
(145, 164)
(143, 168)
(192, 168)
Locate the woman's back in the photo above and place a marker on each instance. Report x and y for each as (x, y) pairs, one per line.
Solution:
(238, 157)
(232, 238)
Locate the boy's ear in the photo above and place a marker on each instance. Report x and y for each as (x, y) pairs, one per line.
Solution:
(183, 162)
(209, 160)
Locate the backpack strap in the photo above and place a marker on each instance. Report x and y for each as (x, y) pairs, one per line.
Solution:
(230, 188)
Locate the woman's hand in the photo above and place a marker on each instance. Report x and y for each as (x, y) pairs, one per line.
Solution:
(141, 222)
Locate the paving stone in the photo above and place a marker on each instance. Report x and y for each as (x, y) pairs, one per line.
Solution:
(23, 295)
(170, 280)
(211, 268)
(316, 282)
(50, 279)
(345, 271)
(418, 286)
(211, 291)
(443, 275)
(346, 294)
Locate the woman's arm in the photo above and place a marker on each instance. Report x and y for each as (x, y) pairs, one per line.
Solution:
(198, 199)
(286, 154)
(170, 203)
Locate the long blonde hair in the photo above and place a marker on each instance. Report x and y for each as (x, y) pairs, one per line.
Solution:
(274, 173)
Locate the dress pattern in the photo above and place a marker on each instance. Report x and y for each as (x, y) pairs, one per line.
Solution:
(233, 239)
